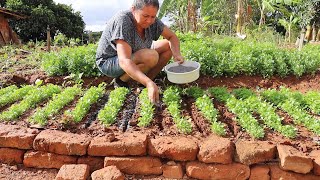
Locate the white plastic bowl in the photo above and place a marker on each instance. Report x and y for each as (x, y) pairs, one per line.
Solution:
(183, 78)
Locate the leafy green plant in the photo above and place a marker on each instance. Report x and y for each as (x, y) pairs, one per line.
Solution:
(219, 93)
(55, 105)
(206, 107)
(110, 111)
(14, 95)
(171, 97)
(34, 97)
(8, 89)
(146, 109)
(312, 99)
(90, 97)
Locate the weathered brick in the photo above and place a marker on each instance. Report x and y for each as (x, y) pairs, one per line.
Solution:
(294, 160)
(277, 173)
(73, 171)
(95, 163)
(128, 144)
(172, 170)
(39, 159)
(11, 156)
(252, 152)
(316, 161)
(260, 172)
(13, 136)
(217, 171)
(108, 173)
(135, 165)
(174, 148)
(216, 150)
(61, 143)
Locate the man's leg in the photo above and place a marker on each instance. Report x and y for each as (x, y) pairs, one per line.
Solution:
(165, 54)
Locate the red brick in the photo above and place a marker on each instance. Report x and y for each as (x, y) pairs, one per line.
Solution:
(61, 143)
(11, 156)
(316, 161)
(73, 171)
(277, 173)
(172, 170)
(135, 165)
(108, 173)
(294, 160)
(217, 171)
(253, 152)
(39, 159)
(216, 150)
(128, 144)
(174, 148)
(260, 172)
(95, 163)
(13, 136)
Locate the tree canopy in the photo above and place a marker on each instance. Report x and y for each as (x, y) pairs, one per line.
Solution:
(42, 14)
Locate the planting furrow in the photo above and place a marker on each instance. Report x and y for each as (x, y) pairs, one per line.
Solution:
(266, 111)
(238, 107)
(288, 102)
(128, 111)
(34, 97)
(99, 105)
(207, 109)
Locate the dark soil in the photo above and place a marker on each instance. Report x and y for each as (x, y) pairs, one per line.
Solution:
(181, 69)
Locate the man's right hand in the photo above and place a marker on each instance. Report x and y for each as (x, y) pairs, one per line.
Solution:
(153, 92)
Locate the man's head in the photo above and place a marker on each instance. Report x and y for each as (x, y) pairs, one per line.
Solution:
(145, 12)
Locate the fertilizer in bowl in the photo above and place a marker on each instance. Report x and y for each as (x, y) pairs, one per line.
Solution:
(181, 69)
(183, 73)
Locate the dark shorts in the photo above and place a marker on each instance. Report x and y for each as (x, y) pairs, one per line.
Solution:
(110, 67)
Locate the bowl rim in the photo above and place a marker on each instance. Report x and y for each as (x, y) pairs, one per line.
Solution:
(167, 71)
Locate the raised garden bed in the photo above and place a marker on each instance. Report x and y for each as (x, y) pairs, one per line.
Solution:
(162, 149)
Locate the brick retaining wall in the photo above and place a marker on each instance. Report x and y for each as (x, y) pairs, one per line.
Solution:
(171, 157)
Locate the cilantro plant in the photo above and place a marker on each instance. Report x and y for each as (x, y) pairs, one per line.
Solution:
(110, 111)
(90, 97)
(172, 99)
(55, 105)
(206, 107)
(146, 109)
(34, 97)
(8, 89)
(15, 95)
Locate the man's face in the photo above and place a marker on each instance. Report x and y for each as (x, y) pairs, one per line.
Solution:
(145, 16)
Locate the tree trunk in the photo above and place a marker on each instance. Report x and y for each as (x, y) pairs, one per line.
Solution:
(261, 18)
(239, 17)
(303, 31)
(308, 33)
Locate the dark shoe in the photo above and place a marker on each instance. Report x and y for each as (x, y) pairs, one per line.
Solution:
(117, 82)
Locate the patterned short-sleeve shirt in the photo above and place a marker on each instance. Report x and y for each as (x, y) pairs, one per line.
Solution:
(122, 26)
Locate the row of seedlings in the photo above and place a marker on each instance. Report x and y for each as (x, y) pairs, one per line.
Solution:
(58, 102)
(14, 95)
(172, 99)
(34, 97)
(266, 111)
(90, 97)
(146, 109)
(206, 107)
(110, 111)
(291, 103)
(8, 89)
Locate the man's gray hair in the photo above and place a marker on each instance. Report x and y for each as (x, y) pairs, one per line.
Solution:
(139, 4)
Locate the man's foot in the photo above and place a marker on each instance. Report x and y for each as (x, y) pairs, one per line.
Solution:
(117, 82)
